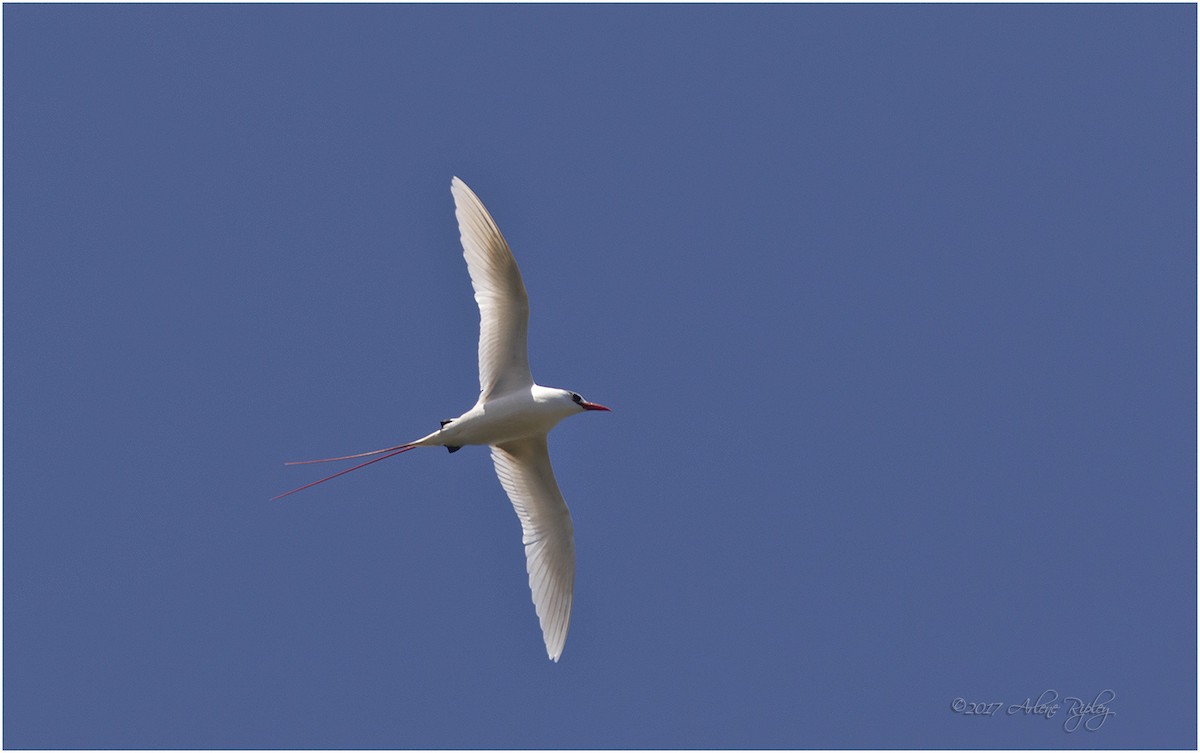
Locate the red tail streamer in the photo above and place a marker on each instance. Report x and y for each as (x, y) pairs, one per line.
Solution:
(397, 451)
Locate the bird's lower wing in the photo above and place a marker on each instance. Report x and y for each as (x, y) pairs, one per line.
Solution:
(500, 293)
(525, 473)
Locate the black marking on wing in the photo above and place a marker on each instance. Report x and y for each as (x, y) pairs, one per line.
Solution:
(448, 420)
(453, 448)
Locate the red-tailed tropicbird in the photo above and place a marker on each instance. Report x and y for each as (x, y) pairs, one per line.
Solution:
(513, 415)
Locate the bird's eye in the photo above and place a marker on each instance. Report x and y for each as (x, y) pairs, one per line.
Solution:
(575, 396)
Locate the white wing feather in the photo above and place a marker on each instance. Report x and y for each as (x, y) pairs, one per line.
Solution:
(525, 473)
(503, 304)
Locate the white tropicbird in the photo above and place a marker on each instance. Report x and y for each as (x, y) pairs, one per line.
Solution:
(513, 415)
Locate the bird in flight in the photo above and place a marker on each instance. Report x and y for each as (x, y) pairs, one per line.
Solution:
(513, 416)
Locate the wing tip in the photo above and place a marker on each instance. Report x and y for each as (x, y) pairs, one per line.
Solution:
(554, 631)
(467, 203)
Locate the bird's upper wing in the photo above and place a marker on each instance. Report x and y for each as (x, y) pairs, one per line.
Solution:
(525, 473)
(503, 304)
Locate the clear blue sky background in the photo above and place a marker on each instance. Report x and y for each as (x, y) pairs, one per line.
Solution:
(895, 307)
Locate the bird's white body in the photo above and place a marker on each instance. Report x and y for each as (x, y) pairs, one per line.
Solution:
(513, 416)
(519, 414)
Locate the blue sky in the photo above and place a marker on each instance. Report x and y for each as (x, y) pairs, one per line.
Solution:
(895, 307)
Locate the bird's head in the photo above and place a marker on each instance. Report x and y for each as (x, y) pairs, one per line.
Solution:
(584, 404)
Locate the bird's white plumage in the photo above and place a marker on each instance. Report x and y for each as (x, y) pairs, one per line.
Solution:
(503, 304)
(525, 473)
(512, 416)
(523, 464)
